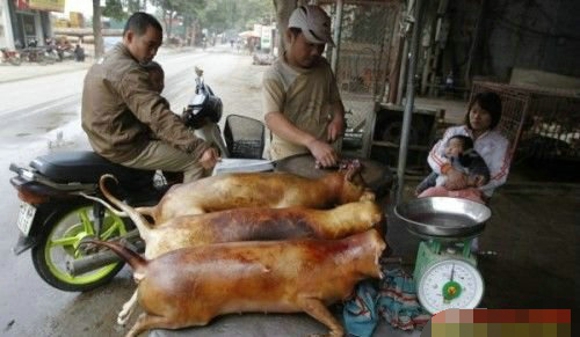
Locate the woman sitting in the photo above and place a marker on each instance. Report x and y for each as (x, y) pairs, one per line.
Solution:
(483, 116)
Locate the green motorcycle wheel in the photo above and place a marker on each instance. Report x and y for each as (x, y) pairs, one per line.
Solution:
(61, 240)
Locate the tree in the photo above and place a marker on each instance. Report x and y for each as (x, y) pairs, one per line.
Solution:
(239, 15)
(114, 9)
(120, 10)
(136, 5)
(98, 30)
(216, 15)
(284, 9)
(174, 9)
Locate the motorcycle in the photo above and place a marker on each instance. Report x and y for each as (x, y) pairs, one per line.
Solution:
(10, 56)
(203, 113)
(55, 218)
(39, 55)
(65, 52)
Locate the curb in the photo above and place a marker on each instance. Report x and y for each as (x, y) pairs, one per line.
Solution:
(24, 71)
(27, 73)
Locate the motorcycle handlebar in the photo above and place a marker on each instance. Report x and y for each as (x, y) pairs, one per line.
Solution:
(15, 168)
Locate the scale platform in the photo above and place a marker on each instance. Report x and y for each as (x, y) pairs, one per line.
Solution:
(446, 274)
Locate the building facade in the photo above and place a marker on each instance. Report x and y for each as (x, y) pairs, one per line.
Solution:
(24, 22)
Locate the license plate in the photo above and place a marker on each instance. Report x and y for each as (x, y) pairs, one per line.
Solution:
(26, 217)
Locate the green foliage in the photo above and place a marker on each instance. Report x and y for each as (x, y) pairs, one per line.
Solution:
(185, 10)
(180, 7)
(114, 9)
(215, 15)
(221, 15)
(135, 5)
(120, 10)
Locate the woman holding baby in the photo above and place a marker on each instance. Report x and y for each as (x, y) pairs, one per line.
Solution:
(483, 116)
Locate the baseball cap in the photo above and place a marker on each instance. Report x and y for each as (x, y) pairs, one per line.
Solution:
(314, 23)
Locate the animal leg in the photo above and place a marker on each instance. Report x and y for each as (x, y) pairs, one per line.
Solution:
(317, 309)
(127, 310)
(148, 322)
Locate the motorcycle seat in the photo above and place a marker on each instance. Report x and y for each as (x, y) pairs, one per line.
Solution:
(84, 167)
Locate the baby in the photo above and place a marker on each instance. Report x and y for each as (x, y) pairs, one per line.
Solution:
(463, 158)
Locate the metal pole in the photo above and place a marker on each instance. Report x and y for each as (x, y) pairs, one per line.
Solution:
(405, 55)
(337, 145)
(410, 101)
(336, 37)
(403, 70)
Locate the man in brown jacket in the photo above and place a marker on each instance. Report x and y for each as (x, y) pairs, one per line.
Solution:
(121, 109)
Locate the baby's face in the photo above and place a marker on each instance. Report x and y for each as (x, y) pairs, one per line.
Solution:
(475, 180)
(454, 148)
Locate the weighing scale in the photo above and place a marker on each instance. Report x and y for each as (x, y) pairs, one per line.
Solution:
(445, 274)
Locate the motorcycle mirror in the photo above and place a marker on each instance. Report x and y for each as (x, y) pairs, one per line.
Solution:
(192, 119)
(198, 99)
(198, 71)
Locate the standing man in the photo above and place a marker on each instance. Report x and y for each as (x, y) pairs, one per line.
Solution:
(301, 102)
(126, 119)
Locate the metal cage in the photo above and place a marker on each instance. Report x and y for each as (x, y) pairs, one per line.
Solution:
(541, 123)
(362, 60)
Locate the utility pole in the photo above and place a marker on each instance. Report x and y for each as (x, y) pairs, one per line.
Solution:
(98, 30)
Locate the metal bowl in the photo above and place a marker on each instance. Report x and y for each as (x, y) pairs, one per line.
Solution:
(443, 217)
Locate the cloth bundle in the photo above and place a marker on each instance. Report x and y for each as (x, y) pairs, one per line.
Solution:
(395, 301)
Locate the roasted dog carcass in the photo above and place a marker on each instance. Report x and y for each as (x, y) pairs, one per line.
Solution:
(244, 224)
(264, 189)
(190, 286)
(250, 223)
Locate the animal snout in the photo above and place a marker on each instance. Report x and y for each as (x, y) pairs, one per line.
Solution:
(378, 218)
(367, 195)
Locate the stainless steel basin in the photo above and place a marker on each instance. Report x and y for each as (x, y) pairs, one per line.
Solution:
(443, 217)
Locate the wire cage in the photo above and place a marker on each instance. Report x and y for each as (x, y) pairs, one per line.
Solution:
(541, 123)
(363, 56)
(366, 31)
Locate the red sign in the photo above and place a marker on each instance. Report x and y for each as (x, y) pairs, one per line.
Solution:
(21, 4)
(41, 5)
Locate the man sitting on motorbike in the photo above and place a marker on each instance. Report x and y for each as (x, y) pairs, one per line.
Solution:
(125, 117)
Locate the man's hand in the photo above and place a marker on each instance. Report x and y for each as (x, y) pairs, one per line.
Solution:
(323, 153)
(209, 158)
(455, 180)
(335, 128)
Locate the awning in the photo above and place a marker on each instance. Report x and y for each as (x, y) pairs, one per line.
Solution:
(42, 5)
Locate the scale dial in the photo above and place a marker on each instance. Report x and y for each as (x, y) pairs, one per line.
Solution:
(450, 284)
